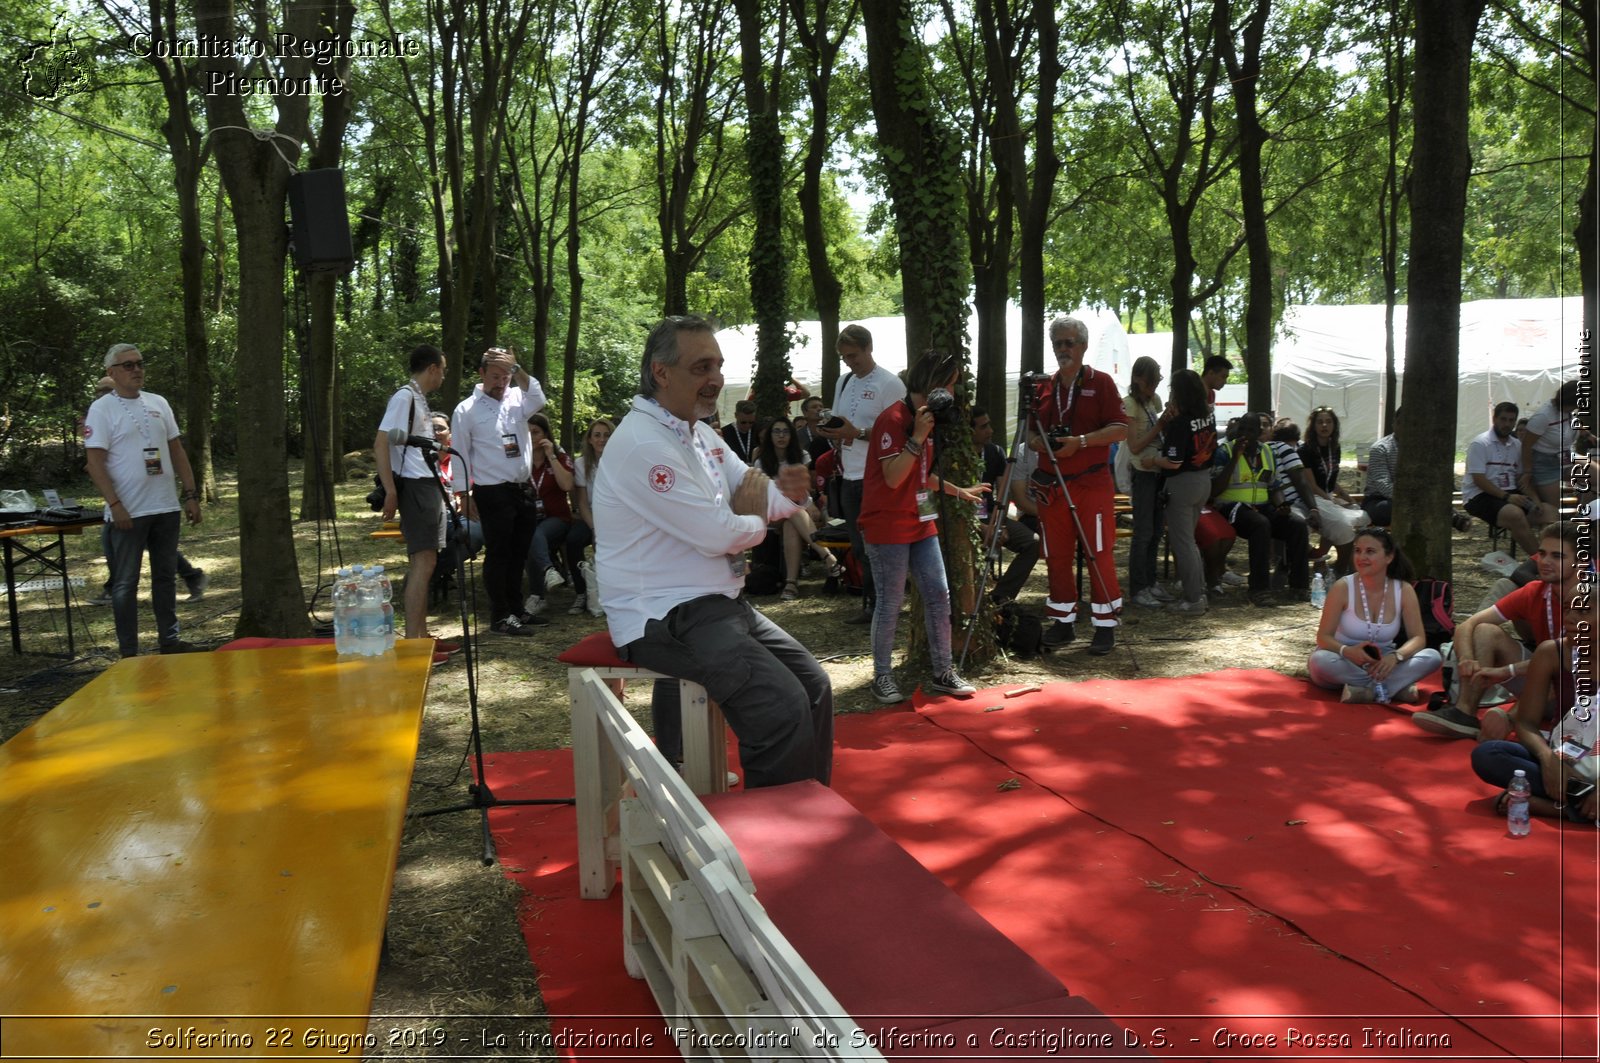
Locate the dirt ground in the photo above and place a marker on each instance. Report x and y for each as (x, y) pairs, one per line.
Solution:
(454, 947)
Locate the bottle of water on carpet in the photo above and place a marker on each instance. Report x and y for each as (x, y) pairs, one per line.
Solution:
(1517, 805)
(1319, 591)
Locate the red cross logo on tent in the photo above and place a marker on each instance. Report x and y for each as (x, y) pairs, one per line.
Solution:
(662, 479)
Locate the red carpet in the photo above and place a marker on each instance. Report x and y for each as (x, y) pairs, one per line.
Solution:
(1231, 852)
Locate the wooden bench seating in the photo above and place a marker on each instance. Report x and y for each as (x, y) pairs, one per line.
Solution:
(785, 913)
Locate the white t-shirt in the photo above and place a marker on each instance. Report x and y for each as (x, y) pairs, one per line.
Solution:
(136, 434)
(408, 409)
(1499, 460)
(493, 436)
(1553, 430)
(859, 400)
(664, 530)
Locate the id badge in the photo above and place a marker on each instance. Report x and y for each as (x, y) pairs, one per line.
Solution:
(925, 507)
(152, 461)
(509, 441)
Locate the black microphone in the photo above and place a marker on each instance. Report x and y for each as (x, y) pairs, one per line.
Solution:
(399, 437)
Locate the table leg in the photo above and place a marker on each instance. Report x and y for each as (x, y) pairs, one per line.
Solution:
(11, 597)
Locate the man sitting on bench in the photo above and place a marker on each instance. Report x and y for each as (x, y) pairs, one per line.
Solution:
(674, 513)
(1489, 488)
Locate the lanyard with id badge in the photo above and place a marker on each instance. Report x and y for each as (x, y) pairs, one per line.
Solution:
(926, 508)
(141, 420)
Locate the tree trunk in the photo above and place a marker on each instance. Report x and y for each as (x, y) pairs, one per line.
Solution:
(1035, 201)
(1441, 166)
(769, 267)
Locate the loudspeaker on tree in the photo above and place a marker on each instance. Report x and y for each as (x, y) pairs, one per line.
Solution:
(320, 222)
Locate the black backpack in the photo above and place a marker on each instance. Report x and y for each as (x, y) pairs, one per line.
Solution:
(1021, 633)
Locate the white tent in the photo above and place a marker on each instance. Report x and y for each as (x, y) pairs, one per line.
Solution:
(1511, 349)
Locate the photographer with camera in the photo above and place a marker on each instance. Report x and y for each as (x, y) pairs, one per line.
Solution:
(1079, 414)
(899, 522)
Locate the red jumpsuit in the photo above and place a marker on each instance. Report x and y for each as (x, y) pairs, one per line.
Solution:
(1076, 408)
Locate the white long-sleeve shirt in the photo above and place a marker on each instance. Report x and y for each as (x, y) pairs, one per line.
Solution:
(665, 532)
(487, 432)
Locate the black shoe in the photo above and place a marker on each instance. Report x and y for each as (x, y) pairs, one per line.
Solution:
(197, 582)
(531, 620)
(181, 646)
(863, 617)
(1058, 633)
(1105, 640)
(511, 625)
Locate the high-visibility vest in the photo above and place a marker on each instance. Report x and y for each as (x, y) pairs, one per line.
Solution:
(1251, 486)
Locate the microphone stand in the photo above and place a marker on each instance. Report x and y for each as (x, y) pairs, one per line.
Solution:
(481, 797)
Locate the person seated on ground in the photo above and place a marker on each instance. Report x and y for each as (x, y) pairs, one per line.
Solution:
(674, 513)
(1555, 721)
(1490, 489)
(1294, 485)
(582, 533)
(778, 449)
(549, 481)
(1487, 656)
(899, 521)
(1378, 491)
(1359, 638)
(993, 509)
(1242, 483)
(1547, 443)
(741, 434)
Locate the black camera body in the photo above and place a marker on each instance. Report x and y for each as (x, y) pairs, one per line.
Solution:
(942, 404)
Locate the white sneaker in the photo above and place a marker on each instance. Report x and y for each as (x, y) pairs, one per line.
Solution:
(1146, 599)
(552, 580)
(1233, 579)
(592, 581)
(1190, 608)
(1161, 594)
(534, 605)
(578, 605)
(1216, 591)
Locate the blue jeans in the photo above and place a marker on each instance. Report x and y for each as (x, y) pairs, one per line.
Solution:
(1329, 670)
(890, 563)
(157, 534)
(1147, 507)
(548, 535)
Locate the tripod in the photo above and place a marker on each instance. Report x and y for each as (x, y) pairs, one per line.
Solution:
(482, 798)
(999, 497)
(1028, 415)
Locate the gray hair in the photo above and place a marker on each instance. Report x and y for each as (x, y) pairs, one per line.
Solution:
(1069, 324)
(114, 355)
(661, 346)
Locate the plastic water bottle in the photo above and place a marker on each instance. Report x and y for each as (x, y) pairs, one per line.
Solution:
(1380, 692)
(341, 613)
(370, 639)
(1517, 805)
(386, 603)
(1319, 591)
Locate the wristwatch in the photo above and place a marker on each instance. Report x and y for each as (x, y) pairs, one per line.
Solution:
(1398, 656)
(1083, 441)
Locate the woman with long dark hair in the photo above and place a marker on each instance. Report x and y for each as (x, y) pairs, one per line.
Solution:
(780, 446)
(1371, 633)
(1189, 440)
(582, 531)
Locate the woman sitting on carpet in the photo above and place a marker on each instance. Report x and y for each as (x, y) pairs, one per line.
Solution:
(1560, 763)
(1362, 622)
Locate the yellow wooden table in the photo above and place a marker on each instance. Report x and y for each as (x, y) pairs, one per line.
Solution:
(198, 850)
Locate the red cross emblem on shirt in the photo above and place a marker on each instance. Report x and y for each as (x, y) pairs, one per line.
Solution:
(662, 478)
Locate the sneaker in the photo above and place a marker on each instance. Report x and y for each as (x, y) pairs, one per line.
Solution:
(1146, 599)
(440, 658)
(180, 646)
(884, 690)
(1216, 590)
(864, 616)
(197, 581)
(790, 591)
(552, 580)
(444, 645)
(1354, 695)
(1448, 721)
(103, 598)
(1233, 579)
(949, 681)
(511, 625)
(579, 604)
(1161, 594)
(1263, 599)
(1194, 608)
(595, 608)
(531, 620)
(1104, 641)
(1058, 633)
(533, 606)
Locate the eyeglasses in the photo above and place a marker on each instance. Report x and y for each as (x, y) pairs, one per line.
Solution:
(130, 364)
